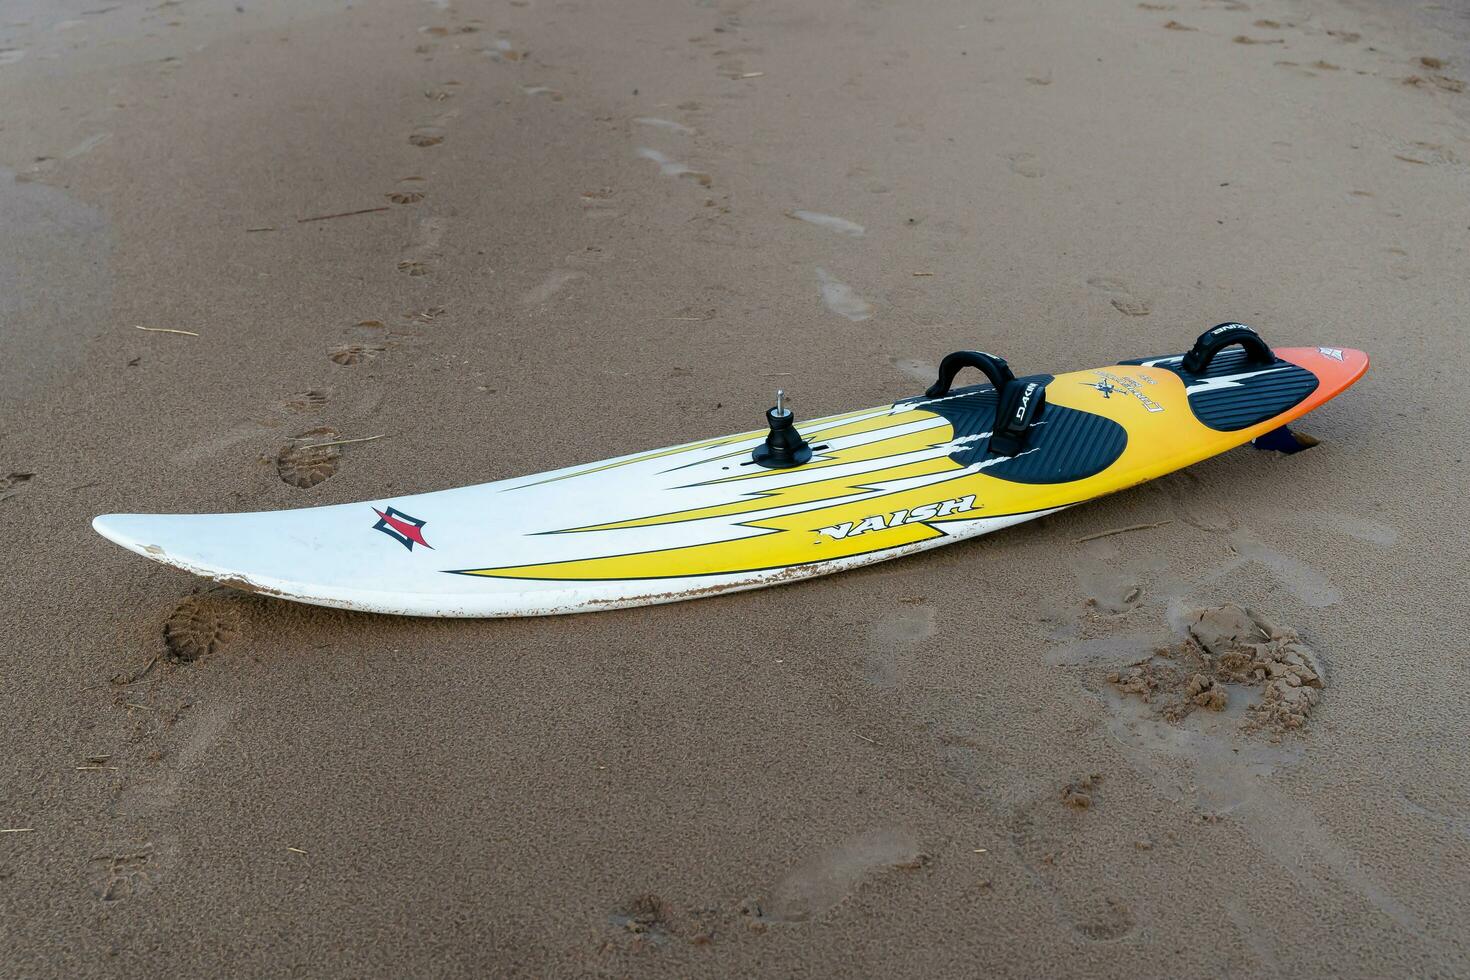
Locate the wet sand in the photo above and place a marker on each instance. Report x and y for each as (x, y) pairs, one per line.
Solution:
(1227, 743)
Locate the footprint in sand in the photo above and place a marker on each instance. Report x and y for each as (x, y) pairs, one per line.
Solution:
(1190, 498)
(820, 883)
(916, 369)
(830, 222)
(1109, 590)
(1102, 629)
(304, 462)
(1025, 164)
(673, 168)
(1300, 579)
(1192, 504)
(405, 197)
(11, 482)
(201, 625)
(1354, 526)
(558, 280)
(1066, 845)
(894, 637)
(180, 736)
(348, 354)
(1121, 296)
(428, 232)
(306, 401)
(841, 298)
(128, 871)
(425, 139)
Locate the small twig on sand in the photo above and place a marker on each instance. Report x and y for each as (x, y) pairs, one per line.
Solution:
(186, 333)
(923, 273)
(865, 738)
(1119, 530)
(16, 830)
(249, 230)
(340, 442)
(123, 680)
(294, 850)
(340, 214)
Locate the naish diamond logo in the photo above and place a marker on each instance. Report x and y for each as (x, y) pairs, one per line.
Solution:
(407, 531)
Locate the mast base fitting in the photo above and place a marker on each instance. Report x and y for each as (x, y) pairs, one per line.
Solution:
(784, 447)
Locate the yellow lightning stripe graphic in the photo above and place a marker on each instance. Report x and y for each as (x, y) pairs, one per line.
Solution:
(770, 550)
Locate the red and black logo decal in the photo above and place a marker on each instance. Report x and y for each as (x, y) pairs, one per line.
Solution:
(407, 531)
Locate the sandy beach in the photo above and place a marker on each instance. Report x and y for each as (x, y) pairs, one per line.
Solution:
(505, 236)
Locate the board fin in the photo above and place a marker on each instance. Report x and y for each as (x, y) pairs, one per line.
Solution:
(1283, 440)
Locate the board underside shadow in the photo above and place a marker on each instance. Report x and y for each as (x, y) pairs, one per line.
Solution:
(701, 519)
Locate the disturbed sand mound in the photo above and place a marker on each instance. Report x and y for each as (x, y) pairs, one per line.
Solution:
(1229, 647)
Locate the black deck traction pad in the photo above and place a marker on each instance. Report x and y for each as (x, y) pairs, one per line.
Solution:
(1066, 445)
(1267, 391)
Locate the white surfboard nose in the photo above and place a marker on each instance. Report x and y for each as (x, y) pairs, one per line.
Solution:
(114, 527)
(146, 535)
(194, 542)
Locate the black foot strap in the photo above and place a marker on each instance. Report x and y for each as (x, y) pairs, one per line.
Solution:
(1021, 403)
(1217, 338)
(995, 368)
